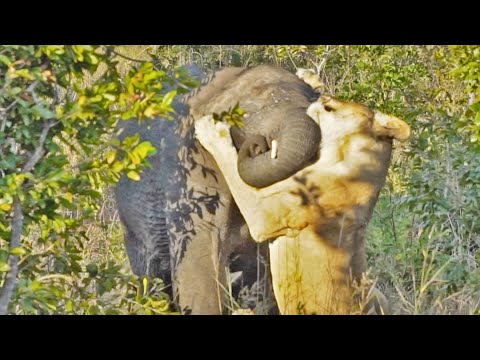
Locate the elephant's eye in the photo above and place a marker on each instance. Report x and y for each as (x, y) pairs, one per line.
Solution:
(328, 108)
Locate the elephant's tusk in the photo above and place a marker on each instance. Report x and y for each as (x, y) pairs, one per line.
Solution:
(274, 149)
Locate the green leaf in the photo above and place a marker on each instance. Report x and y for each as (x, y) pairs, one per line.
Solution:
(168, 98)
(109, 97)
(69, 306)
(67, 204)
(5, 207)
(44, 112)
(117, 167)
(56, 175)
(5, 60)
(36, 285)
(134, 158)
(150, 111)
(475, 107)
(4, 267)
(25, 73)
(145, 286)
(92, 269)
(18, 251)
(133, 175)
(111, 156)
(145, 148)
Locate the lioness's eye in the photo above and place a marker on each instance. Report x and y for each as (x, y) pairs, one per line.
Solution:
(328, 108)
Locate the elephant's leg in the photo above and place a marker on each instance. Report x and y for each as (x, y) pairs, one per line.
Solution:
(254, 287)
(247, 259)
(198, 279)
(201, 282)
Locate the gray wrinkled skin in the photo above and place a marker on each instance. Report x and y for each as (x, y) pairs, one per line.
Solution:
(180, 221)
(275, 102)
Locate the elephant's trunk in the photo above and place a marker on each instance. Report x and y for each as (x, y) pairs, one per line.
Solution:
(298, 138)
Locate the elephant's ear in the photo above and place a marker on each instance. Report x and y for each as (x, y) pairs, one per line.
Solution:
(390, 126)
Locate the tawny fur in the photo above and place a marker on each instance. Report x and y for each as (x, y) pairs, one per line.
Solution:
(316, 219)
(312, 79)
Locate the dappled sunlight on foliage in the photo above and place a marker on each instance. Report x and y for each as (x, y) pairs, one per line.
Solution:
(57, 155)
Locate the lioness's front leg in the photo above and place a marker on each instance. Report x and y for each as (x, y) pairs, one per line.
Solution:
(255, 204)
(216, 139)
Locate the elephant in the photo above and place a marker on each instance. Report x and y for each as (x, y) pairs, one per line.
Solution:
(180, 220)
(315, 221)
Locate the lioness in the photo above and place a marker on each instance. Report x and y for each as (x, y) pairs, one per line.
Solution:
(315, 220)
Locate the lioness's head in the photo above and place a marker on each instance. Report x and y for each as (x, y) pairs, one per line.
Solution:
(340, 118)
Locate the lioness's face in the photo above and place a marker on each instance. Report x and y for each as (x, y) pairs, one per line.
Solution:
(340, 118)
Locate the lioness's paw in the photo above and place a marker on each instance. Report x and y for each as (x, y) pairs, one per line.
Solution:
(212, 135)
(302, 73)
(311, 78)
(204, 129)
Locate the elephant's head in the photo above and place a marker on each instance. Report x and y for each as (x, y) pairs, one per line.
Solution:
(282, 142)
(275, 101)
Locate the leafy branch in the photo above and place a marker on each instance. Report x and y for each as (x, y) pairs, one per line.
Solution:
(232, 116)
(40, 182)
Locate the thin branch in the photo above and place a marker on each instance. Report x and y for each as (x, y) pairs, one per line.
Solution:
(17, 224)
(144, 61)
(392, 219)
(127, 57)
(4, 111)
(178, 83)
(39, 151)
(8, 107)
(320, 67)
(31, 90)
(290, 57)
(15, 241)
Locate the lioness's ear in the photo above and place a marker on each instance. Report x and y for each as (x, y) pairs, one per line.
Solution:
(390, 126)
